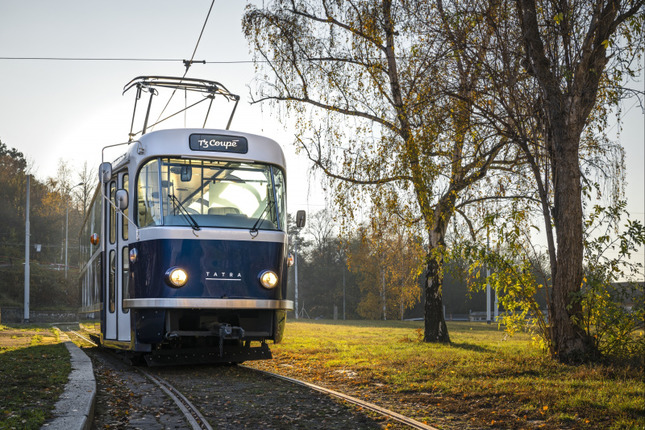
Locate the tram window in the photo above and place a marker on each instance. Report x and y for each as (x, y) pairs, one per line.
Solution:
(217, 194)
(125, 275)
(112, 212)
(97, 205)
(112, 281)
(97, 273)
(126, 211)
(148, 205)
(280, 189)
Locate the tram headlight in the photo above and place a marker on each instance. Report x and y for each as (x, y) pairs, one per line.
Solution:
(268, 279)
(176, 277)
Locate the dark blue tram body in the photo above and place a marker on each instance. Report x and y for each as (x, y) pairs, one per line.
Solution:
(188, 247)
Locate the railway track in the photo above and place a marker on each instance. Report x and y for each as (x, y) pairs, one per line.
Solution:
(363, 404)
(192, 414)
(197, 421)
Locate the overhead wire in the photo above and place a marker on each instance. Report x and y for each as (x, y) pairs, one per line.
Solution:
(150, 60)
(188, 64)
(89, 59)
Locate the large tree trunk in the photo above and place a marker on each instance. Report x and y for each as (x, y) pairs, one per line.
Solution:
(568, 101)
(570, 341)
(435, 324)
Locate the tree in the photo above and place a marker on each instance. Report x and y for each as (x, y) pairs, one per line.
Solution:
(568, 46)
(366, 81)
(89, 178)
(387, 262)
(560, 79)
(12, 201)
(322, 274)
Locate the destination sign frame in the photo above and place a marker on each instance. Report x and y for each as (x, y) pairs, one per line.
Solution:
(218, 143)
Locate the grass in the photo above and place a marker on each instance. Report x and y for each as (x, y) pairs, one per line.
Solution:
(484, 379)
(34, 367)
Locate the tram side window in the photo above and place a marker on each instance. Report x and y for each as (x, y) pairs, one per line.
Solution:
(112, 281)
(112, 212)
(126, 211)
(148, 206)
(97, 205)
(97, 271)
(125, 275)
(280, 188)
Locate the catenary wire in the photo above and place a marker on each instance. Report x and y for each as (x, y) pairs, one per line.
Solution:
(189, 62)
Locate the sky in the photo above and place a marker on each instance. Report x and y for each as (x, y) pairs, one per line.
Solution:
(70, 110)
(52, 110)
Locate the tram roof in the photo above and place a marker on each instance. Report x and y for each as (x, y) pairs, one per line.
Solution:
(179, 143)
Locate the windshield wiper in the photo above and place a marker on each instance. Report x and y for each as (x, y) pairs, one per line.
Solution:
(189, 218)
(254, 229)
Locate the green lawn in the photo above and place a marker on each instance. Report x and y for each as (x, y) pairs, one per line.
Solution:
(34, 367)
(483, 379)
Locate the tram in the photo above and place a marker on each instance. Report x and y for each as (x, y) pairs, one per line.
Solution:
(185, 243)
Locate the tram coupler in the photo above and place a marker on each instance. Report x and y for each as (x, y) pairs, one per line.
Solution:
(227, 331)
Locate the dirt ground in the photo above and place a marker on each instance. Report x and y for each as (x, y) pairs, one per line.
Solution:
(230, 397)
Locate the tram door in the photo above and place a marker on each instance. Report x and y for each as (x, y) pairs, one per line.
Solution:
(117, 320)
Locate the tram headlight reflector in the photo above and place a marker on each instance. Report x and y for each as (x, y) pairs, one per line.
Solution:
(176, 277)
(268, 279)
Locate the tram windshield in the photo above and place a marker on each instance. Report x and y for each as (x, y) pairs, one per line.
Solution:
(204, 193)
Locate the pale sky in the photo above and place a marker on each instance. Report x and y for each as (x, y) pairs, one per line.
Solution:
(70, 109)
(51, 110)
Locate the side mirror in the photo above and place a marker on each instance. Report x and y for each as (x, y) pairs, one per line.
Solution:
(121, 199)
(301, 218)
(105, 172)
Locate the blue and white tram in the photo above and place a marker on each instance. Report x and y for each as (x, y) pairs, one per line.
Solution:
(188, 255)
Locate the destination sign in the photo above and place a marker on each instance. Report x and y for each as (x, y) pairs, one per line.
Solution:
(218, 143)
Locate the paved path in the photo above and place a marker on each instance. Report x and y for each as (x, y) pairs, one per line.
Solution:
(75, 407)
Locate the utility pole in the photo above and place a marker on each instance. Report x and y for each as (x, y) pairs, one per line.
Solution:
(344, 266)
(295, 263)
(301, 217)
(26, 310)
(488, 304)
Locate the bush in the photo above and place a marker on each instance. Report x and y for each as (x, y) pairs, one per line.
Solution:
(48, 288)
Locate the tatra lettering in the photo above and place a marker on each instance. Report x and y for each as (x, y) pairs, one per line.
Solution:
(224, 275)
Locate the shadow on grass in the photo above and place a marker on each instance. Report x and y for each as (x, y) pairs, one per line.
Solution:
(470, 347)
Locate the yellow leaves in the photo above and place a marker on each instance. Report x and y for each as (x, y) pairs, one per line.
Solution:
(558, 18)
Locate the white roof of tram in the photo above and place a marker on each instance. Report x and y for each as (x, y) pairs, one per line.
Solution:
(176, 143)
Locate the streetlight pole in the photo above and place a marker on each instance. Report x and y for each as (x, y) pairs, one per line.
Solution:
(27, 241)
(67, 224)
(295, 251)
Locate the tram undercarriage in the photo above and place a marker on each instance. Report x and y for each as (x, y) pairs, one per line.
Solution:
(191, 336)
